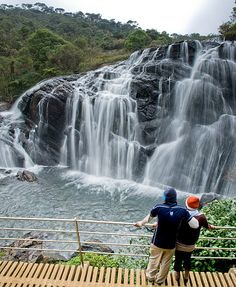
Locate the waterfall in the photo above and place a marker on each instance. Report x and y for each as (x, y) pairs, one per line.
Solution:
(200, 145)
(12, 152)
(165, 116)
(101, 137)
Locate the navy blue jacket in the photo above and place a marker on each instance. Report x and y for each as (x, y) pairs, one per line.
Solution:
(169, 217)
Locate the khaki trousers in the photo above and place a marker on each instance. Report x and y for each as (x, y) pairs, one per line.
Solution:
(160, 258)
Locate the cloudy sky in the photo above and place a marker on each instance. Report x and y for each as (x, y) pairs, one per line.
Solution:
(172, 16)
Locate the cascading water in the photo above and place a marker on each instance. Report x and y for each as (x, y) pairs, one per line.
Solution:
(166, 116)
(201, 141)
(101, 137)
(12, 153)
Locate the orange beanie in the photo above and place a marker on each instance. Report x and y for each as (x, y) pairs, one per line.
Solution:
(192, 202)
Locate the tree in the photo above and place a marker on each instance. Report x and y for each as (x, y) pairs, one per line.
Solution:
(66, 58)
(136, 40)
(26, 6)
(59, 10)
(152, 33)
(228, 29)
(40, 43)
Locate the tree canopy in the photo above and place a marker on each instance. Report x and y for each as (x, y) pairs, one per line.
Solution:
(39, 41)
(228, 29)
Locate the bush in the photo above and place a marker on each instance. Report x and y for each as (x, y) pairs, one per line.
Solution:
(219, 213)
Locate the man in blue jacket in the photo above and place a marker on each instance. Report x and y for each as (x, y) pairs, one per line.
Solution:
(169, 216)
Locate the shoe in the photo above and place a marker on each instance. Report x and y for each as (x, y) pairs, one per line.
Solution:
(177, 275)
(185, 281)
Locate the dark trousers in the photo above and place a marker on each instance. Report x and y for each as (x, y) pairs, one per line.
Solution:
(182, 258)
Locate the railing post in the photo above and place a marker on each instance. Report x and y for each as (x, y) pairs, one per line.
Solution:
(79, 243)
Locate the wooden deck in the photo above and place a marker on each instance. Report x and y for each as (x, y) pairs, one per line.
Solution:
(21, 274)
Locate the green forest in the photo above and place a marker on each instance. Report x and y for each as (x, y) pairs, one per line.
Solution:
(38, 42)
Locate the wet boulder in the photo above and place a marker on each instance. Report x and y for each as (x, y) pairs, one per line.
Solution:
(26, 175)
(44, 109)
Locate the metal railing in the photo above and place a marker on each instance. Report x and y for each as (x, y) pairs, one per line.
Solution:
(73, 235)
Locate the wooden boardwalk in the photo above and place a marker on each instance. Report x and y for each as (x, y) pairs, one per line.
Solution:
(21, 274)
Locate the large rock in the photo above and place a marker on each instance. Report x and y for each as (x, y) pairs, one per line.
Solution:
(44, 108)
(26, 175)
(32, 241)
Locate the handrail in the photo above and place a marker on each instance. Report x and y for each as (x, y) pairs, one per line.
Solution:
(70, 236)
(104, 233)
(90, 221)
(107, 243)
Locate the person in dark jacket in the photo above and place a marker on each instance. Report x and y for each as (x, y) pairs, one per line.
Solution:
(169, 215)
(187, 237)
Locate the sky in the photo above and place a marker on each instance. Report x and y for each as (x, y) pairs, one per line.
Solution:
(173, 16)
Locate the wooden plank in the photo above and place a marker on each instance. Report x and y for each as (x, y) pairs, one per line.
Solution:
(222, 280)
(126, 276)
(210, 279)
(138, 277)
(119, 277)
(71, 273)
(172, 275)
(11, 269)
(113, 276)
(143, 278)
(64, 276)
(3, 265)
(229, 280)
(25, 275)
(32, 273)
(168, 279)
(107, 276)
(101, 275)
(193, 279)
(45, 275)
(95, 274)
(18, 268)
(40, 267)
(216, 279)
(19, 274)
(204, 279)
(6, 268)
(26, 272)
(41, 275)
(77, 275)
(89, 274)
(59, 274)
(84, 272)
(131, 277)
(55, 271)
(233, 277)
(198, 279)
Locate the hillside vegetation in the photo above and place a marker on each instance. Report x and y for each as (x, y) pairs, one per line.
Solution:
(39, 42)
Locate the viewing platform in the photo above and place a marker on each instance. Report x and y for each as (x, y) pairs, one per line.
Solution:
(71, 235)
(21, 274)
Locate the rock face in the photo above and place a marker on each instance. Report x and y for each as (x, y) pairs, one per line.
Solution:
(44, 108)
(152, 118)
(152, 87)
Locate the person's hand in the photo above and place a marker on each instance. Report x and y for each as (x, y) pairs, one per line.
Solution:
(211, 226)
(138, 224)
(154, 225)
